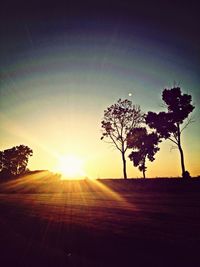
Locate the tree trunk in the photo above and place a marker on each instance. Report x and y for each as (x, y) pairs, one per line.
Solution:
(181, 152)
(144, 167)
(144, 174)
(124, 165)
(182, 161)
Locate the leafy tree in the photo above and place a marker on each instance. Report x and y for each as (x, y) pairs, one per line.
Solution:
(144, 146)
(118, 120)
(168, 124)
(13, 161)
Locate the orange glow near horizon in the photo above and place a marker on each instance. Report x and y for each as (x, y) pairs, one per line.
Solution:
(70, 167)
(52, 140)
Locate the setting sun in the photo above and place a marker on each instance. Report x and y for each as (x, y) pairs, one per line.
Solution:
(71, 167)
(99, 133)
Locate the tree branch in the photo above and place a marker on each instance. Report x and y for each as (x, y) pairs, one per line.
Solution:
(175, 137)
(189, 121)
(115, 142)
(173, 141)
(173, 147)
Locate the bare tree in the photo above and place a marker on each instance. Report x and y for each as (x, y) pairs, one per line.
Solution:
(168, 124)
(118, 120)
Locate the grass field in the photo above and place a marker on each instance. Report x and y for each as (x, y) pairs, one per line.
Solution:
(47, 222)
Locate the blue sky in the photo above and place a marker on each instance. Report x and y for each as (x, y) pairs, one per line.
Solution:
(58, 74)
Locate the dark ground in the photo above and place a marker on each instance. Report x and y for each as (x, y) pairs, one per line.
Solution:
(105, 223)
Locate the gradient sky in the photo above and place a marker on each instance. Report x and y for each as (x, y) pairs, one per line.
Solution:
(61, 66)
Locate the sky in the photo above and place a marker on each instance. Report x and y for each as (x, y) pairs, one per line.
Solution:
(62, 65)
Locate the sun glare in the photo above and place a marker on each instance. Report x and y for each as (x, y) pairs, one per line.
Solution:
(71, 167)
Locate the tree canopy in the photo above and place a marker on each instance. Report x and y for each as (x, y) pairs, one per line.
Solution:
(144, 146)
(13, 161)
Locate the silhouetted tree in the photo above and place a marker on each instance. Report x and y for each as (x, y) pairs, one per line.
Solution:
(13, 161)
(167, 124)
(1, 161)
(118, 120)
(144, 146)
